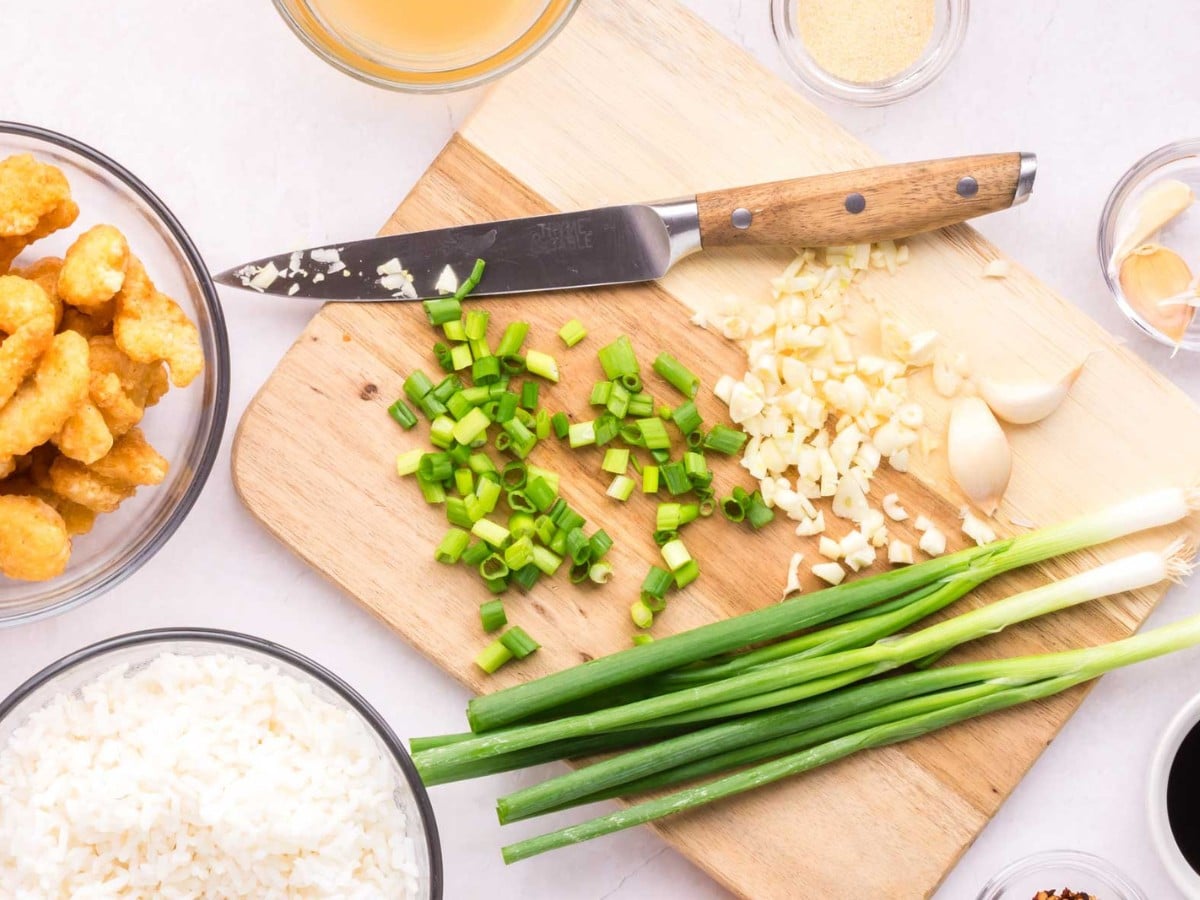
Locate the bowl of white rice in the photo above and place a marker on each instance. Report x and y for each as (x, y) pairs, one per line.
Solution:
(189, 763)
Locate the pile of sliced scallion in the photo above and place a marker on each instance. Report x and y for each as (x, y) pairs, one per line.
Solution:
(485, 397)
(746, 701)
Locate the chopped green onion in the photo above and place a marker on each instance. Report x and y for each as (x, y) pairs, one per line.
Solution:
(540, 493)
(485, 370)
(518, 502)
(642, 638)
(518, 641)
(661, 456)
(551, 478)
(529, 395)
(621, 488)
(676, 478)
(566, 518)
(601, 392)
(696, 468)
(460, 357)
(542, 364)
(458, 405)
(641, 614)
(673, 516)
(493, 656)
(408, 462)
(477, 395)
(607, 428)
(442, 354)
(581, 434)
(512, 364)
(723, 439)
(541, 424)
(758, 513)
(522, 524)
(695, 440)
(654, 434)
(492, 532)
(443, 310)
(519, 554)
(572, 333)
(546, 560)
(600, 572)
(650, 479)
(562, 425)
(506, 407)
(674, 554)
(708, 506)
(527, 577)
(677, 375)
(687, 573)
(618, 358)
(641, 406)
(476, 324)
(480, 463)
(492, 615)
(664, 537)
(655, 586)
(430, 406)
(452, 546)
(472, 426)
(472, 281)
(616, 461)
(579, 572)
(514, 475)
(454, 330)
(601, 543)
(447, 387)
(522, 439)
(436, 467)
(512, 339)
(579, 548)
(403, 414)
(631, 381)
(618, 400)
(686, 417)
(545, 528)
(417, 385)
(432, 491)
(464, 480)
(631, 434)
(496, 585)
(476, 553)
(493, 568)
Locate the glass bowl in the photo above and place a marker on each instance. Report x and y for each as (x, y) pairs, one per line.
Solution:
(377, 65)
(1058, 869)
(1180, 160)
(186, 426)
(139, 648)
(949, 28)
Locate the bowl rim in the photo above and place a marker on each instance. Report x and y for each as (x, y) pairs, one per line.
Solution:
(1046, 858)
(908, 82)
(1181, 724)
(222, 637)
(1131, 179)
(221, 367)
(458, 83)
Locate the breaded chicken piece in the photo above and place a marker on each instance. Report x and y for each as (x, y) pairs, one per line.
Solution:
(27, 317)
(41, 406)
(78, 519)
(29, 190)
(132, 461)
(34, 544)
(94, 269)
(76, 482)
(150, 327)
(86, 436)
(45, 272)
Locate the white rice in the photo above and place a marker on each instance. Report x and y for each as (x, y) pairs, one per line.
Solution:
(199, 777)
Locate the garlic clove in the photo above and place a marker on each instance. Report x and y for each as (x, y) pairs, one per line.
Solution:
(1023, 403)
(1158, 205)
(1151, 274)
(978, 453)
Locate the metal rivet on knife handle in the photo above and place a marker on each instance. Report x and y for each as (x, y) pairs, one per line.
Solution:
(741, 218)
(855, 203)
(967, 186)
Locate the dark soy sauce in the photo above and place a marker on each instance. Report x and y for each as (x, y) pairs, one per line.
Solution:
(1183, 798)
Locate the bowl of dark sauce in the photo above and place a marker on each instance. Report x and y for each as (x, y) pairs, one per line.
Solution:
(1174, 802)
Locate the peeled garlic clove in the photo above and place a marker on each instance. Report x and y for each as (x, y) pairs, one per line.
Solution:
(978, 453)
(1158, 205)
(1023, 403)
(1151, 274)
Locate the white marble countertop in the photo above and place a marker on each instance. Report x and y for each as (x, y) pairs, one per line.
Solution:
(256, 145)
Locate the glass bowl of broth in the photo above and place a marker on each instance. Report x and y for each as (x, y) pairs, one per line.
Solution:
(1174, 785)
(423, 46)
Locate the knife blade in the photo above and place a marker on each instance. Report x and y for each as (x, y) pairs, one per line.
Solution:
(642, 241)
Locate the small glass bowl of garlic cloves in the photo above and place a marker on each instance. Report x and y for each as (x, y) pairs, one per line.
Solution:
(1149, 244)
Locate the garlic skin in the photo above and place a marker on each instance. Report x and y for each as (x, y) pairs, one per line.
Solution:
(1151, 274)
(1158, 205)
(978, 452)
(1023, 403)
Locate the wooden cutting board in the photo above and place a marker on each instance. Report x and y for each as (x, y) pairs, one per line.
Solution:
(639, 100)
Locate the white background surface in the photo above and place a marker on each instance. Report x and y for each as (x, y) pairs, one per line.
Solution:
(257, 146)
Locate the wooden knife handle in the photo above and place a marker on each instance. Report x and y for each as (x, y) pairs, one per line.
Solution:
(867, 204)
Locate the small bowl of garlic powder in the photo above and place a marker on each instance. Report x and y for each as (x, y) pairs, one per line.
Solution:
(868, 52)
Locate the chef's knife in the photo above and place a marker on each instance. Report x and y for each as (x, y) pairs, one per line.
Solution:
(640, 242)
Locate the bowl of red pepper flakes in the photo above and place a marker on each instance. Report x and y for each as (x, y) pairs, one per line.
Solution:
(1061, 875)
